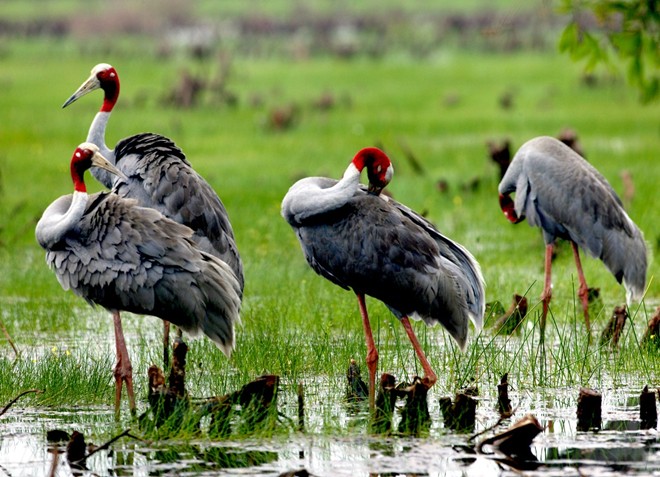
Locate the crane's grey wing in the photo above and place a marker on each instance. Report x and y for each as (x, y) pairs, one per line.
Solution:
(125, 257)
(160, 177)
(373, 248)
(567, 197)
(468, 273)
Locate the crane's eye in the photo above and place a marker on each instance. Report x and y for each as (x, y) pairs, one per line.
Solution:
(379, 168)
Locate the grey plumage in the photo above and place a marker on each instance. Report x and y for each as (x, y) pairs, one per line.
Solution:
(381, 248)
(159, 176)
(564, 195)
(125, 257)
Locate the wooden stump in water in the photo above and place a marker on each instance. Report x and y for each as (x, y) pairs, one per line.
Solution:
(589, 409)
(461, 414)
(415, 416)
(503, 401)
(257, 399)
(614, 328)
(515, 442)
(170, 404)
(511, 319)
(381, 422)
(648, 413)
(357, 389)
(652, 334)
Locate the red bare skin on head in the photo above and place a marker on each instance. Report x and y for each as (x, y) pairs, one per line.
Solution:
(508, 207)
(109, 80)
(379, 167)
(80, 162)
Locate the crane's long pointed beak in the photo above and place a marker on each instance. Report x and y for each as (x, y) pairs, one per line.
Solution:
(101, 162)
(88, 86)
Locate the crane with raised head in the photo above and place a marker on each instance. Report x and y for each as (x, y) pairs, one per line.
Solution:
(158, 175)
(563, 194)
(124, 257)
(362, 240)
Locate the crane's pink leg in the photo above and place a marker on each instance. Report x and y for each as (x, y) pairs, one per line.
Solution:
(583, 291)
(166, 345)
(372, 352)
(123, 369)
(430, 377)
(547, 288)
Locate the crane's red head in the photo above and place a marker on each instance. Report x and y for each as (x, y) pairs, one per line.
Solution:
(508, 207)
(85, 156)
(105, 77)
(378, 165)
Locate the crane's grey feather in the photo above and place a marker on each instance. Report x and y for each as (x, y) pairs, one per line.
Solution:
(160, 177)
(125, 257)
(381, 248)
(560, 192)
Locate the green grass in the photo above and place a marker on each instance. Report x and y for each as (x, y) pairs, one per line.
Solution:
(296, 324)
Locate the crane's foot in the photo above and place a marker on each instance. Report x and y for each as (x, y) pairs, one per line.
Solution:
(124, 374)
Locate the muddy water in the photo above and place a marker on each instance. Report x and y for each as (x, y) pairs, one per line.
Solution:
(619, 447)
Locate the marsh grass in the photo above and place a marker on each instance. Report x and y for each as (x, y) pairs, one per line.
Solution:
(295, 324)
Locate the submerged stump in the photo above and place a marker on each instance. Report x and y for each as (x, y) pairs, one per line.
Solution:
(652, 334)
(357, 390)
(461, 414)
(503, 402)
(515, 442)
(614, 328)
(589, 409)
(510, 321)
(381, 422)
(415, 417)
(648, 413)
(173, 410)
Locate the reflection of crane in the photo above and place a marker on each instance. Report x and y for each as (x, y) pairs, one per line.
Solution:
(124, 257)
(375, 246)
(564, 195)
(158, 175)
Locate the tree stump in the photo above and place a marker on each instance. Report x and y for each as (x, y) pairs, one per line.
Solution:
(589, 409)
(461, 414)
(415, 416)
(614, 328)
(652, 334)
(381, 422)
(648, 413)
(503, 401)
(515, 442)
(511, 319)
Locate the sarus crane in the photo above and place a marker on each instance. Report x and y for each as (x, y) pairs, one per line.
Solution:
(563, 194)
(158, 175)
(124, 257)
(362, 240)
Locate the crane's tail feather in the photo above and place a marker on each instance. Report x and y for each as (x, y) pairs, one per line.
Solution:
(626, 257)
(213, 302)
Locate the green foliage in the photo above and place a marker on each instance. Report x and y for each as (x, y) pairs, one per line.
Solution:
(629, 29)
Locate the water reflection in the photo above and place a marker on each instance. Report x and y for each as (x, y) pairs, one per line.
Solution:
(621, 446)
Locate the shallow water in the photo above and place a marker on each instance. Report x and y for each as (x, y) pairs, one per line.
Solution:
(620, 447)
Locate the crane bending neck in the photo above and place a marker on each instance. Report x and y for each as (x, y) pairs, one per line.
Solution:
(307, 198)
(54, 224)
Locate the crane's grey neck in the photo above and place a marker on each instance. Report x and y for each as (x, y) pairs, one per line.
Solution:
(308, 197)
(56, 222)
(96, 135)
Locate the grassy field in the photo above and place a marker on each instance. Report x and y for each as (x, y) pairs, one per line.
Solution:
(443, 107)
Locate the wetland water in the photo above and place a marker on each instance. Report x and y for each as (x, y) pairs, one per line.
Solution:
(619, 447)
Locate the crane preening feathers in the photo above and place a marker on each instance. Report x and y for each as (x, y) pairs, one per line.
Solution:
(367, 242)
(123, 257)
(157, 174)
(560, 192)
